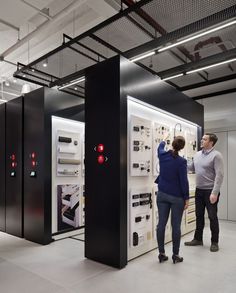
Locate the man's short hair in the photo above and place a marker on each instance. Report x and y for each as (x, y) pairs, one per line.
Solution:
(212, 137)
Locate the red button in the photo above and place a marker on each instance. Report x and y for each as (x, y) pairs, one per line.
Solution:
(100, 148)
(33, 155)
(33, 163)
(13, 157)
(101, 159)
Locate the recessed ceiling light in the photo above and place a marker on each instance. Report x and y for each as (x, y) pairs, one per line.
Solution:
(45, 63)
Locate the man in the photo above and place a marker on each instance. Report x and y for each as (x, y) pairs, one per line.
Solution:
(208, 167)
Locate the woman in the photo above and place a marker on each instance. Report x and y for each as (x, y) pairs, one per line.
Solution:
(173, 195)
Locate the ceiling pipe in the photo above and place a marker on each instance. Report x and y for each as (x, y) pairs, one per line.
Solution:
(11, 94)
(9, 62)
(162, 32)
(213, 40)
(71, 7)
(10, 25)
(37, 9)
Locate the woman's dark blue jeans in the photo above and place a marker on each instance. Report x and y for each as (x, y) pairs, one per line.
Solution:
(165, 204)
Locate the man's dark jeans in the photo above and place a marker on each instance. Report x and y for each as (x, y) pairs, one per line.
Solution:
(165, 204)
(202, 199)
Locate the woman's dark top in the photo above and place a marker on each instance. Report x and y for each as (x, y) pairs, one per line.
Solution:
(173, 178)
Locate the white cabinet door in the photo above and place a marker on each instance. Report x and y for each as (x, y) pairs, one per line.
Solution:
(232, 175)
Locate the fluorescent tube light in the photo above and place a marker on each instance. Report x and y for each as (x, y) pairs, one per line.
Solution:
(79, 80)
(210, 66)
(2, 100)
(174, 76)
(140, 57)
(198, 36)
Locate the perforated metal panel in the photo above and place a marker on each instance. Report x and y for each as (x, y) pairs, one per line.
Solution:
(143, 26)
(123, 34)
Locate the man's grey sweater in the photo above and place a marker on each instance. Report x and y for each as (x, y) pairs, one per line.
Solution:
(209, 169)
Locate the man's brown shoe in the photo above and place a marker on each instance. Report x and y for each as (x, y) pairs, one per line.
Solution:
(214, 247)
(194, 242)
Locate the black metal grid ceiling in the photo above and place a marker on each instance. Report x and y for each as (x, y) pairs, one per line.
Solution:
(205, 46)
(141, 27)
(123, 34)
(174, 14)
(100, 48)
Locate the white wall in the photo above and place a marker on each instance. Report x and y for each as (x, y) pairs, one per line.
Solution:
(220, 118)
(220, 112)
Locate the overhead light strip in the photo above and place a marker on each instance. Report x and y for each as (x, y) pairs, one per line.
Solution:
(198, 36)
(174, 76)
(76, 81)
(2, 100)
(143, 56)
(210, 66)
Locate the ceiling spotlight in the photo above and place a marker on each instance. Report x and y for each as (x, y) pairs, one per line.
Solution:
(25, 89)
(24, 75)
(75, 88)
(45, 63)
(33, 70)
(7, 83)
(14, 80)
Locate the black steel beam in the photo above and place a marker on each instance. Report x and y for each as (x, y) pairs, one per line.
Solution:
(85, 47)
(27, 67)
(30, 80)
(110, 20)
(130, 18)
(220, 93)
(72, 92)
(29, 74)
(220, 57)
(104, 43)
(209, 82)
(67, 78)
(83, 54)
(183, 32)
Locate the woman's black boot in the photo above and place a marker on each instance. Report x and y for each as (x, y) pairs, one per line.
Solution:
(177, 258)
(162, 257)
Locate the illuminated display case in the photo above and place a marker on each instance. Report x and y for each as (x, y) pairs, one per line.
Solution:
(129, 146)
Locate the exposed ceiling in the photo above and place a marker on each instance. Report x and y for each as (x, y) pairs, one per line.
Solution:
(142, 26)
(31, 28)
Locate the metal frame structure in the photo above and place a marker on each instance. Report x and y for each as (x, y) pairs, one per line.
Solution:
(94, 46)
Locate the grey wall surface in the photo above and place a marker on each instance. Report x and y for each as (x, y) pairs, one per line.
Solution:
(220, 118)
(222, 146)
(231, 175)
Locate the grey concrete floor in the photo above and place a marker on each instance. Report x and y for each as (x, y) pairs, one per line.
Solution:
(61, 267)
